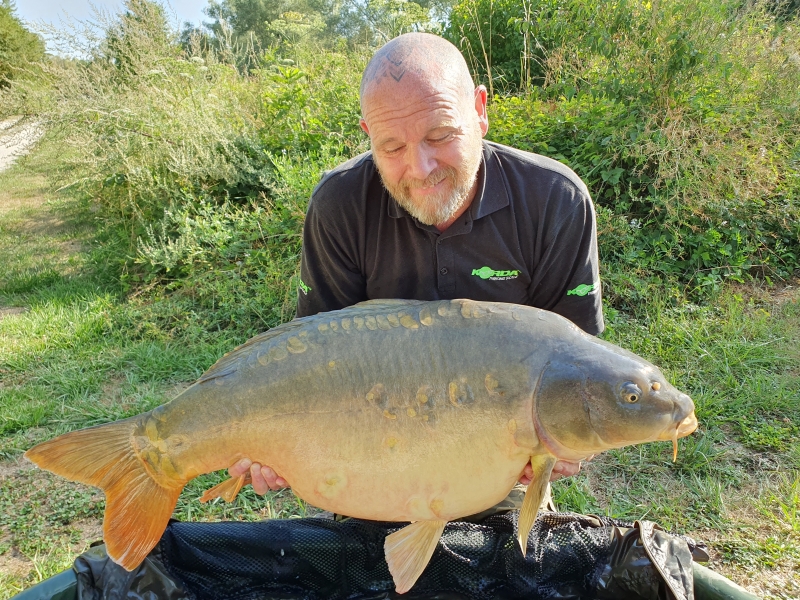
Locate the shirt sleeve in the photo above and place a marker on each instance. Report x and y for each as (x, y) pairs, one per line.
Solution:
(567, 277)
(330, 277)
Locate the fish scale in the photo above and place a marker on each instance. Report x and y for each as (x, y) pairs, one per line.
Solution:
(388, 410)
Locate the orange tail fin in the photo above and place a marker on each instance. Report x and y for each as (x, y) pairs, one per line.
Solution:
(137, 508)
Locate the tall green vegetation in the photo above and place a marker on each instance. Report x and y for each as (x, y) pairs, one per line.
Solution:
(244, 28)
(19, 48)
(682, 117)
(200, 174)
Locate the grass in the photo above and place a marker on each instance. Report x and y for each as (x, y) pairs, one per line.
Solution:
(76, 349)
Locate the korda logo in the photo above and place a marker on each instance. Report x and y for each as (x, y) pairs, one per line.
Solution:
(489, 273)
(582, 289)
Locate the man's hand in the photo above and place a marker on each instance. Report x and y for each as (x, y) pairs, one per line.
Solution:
(263, 478)
(562, 468)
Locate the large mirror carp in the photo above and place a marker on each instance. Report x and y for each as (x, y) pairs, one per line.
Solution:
(388, 410)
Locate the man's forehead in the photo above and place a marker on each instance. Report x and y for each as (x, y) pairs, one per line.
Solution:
(409, 86)
(415, 94)
(390, 134)
(392, 116)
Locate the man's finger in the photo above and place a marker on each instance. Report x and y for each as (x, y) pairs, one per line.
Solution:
(527, 475)
(564, 468)
(274, 481)
(259, 482)
(240, 468)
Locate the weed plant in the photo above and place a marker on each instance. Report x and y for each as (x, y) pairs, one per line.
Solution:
(682, 117)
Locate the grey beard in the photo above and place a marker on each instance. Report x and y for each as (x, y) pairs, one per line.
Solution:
(439, 212)
(436, 211)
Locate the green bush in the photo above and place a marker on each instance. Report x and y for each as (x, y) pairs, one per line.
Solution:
(691, 202)
(19, 48)
(487, 33)
(682, 117)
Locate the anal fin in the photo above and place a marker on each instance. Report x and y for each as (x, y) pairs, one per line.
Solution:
(227, 490)
(542, 467)
(409, 550)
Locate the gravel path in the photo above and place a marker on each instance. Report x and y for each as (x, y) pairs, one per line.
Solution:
(16, 138)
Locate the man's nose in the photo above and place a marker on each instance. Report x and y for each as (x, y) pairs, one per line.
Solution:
(420, 161)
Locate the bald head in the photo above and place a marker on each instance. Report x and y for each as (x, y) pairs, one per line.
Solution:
(423, 57)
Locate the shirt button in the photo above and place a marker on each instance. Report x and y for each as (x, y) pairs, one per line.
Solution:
(443, 270)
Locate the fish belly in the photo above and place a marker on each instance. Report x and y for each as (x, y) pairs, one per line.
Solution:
(402, 472)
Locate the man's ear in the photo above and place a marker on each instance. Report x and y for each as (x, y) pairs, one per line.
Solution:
(363, 124)
(480, 107)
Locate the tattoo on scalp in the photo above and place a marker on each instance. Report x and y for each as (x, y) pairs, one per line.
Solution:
(392, 64)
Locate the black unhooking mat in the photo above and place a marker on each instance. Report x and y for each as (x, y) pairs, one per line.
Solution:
(569, 556)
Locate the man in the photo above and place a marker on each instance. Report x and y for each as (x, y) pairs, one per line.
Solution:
(434, 212)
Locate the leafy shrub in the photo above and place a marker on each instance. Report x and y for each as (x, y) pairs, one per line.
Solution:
(19, 48)
(238, 260)
(683, 200)
(486, 33)
(682, 118)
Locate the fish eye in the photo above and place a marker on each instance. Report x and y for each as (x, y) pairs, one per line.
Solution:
(631, 392)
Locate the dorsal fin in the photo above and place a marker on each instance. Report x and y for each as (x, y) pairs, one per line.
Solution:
(226, 364)
(393, 303)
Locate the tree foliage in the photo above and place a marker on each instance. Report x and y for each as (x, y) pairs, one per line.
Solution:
(253, 21)
(18, 46)
(264, 24)
(138, 40)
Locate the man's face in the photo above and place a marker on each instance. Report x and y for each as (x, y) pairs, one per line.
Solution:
(426, 143)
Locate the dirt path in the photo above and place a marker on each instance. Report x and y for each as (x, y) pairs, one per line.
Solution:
(17, 136)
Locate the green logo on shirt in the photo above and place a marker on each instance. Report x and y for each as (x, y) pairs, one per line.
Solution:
(304, 287)
(582, 289)
(489, 273)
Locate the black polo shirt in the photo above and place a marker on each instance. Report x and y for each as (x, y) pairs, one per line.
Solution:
(529, 237)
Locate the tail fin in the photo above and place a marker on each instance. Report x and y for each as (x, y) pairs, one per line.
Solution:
(137, 508)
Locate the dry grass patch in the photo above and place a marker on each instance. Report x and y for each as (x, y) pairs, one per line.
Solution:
(11, 311)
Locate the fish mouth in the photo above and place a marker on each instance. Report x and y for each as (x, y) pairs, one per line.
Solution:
(684, 428)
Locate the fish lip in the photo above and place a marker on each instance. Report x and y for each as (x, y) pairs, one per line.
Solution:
(688, 425)
(684, 428)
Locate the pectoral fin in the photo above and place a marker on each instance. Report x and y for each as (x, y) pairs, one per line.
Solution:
(409, 550)
(542, 467)
(226, 490)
